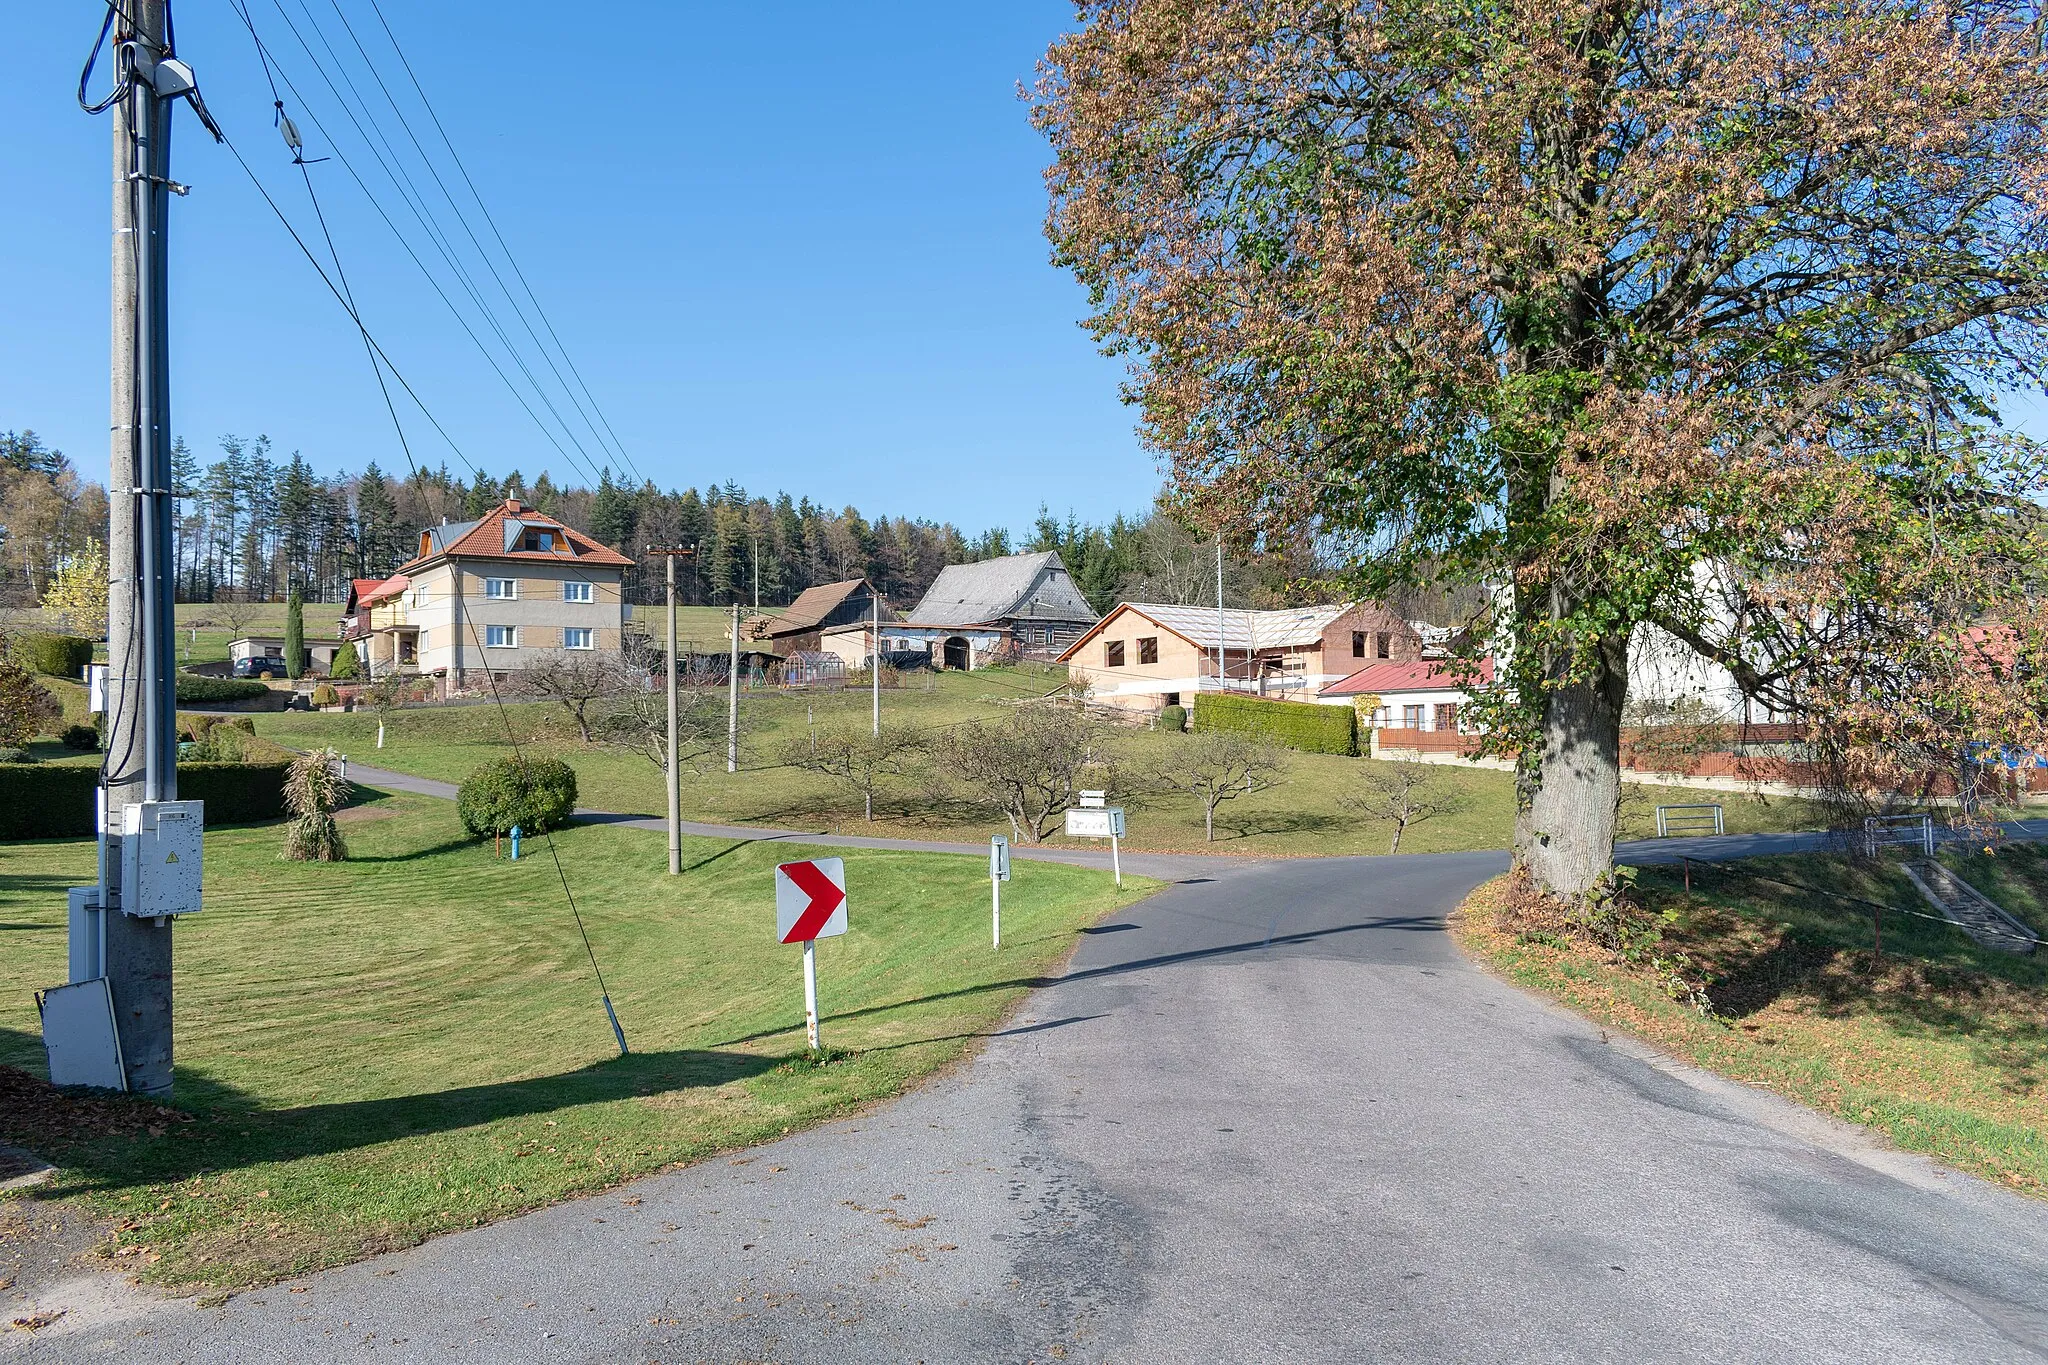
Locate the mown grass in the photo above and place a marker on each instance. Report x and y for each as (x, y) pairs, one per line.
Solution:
(412, 1041)
(1304, 815)
(1937, 1043)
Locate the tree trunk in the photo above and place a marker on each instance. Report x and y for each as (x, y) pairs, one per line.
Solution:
(1567, 843)
(867, 799)
(1209, 822)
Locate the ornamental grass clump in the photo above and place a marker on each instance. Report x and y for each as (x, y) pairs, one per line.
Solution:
(313, 790)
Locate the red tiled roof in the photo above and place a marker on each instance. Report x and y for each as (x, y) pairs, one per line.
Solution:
(1423, 675)
(385, 590)
(485, 539)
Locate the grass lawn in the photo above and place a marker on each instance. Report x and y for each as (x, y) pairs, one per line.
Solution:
(375, 1051)
(1940, 1045)
(1303, 815)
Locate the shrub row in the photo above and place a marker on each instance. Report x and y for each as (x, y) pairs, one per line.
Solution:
(1299, 725)
(53, 655)
(55, 801)
(197, 687)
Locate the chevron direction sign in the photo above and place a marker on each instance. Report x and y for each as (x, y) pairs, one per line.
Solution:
(810, 900)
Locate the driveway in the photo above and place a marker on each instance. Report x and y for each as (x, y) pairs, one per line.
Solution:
(1271, 1114)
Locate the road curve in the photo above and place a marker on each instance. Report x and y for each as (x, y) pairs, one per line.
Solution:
(1270, 1114)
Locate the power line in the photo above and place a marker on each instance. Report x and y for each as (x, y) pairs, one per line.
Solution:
(408, 191)
(493, 223)
(504, 717)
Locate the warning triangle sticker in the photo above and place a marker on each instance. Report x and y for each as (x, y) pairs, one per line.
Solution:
(172, 859)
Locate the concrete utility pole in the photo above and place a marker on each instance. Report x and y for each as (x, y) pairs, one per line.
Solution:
(675, 779)
(142, 756)
(875, 662)
(1220, 684)
(732, 703)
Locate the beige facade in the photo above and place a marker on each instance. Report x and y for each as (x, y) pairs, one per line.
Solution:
(463, 610)
(1143, 657)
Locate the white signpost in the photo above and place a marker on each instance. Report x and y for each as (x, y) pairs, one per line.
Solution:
(1099, 822)
(810, 904)
(998, 873)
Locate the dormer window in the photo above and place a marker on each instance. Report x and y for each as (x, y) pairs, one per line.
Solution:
(542, 542)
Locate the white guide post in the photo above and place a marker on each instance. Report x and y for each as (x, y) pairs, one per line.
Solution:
(1116, 862)
(811, 992)
(996, 890)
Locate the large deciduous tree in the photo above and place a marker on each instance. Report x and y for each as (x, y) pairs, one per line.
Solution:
(1683, 315)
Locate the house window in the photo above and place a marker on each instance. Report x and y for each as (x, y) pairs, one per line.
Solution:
(1383, 646)
(576, 592)
(1411, 717)
(1358, 644)
(501, 637)
(543, 541)
(1447, 715)
(1148, 649)
(504, 589)
(577, 637)
(1113, 654)
(419, 597)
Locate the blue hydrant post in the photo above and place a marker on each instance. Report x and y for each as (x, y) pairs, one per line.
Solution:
(515, 843)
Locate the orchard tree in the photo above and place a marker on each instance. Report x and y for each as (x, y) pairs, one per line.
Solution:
(1215, 766)
(1680, 317)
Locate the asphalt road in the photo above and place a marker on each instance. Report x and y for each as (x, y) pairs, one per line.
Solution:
(1271, 1115)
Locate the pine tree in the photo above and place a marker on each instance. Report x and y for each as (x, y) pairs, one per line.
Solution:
(376, 524)
(611, 514)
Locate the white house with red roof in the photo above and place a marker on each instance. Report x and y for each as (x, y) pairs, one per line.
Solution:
(1418, 694)
(490, 597)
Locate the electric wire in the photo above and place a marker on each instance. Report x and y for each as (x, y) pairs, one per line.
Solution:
(463, 219)
(504, 717)
(415, 202)
(490, 312)
(492, 222)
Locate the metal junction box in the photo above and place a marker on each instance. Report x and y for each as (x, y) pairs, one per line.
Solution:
(160, 857)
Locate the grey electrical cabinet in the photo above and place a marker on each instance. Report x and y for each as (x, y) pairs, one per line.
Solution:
(160, 857)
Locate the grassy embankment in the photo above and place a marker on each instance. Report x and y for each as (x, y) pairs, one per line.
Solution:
(1304, 815)
(1939, 1044)
(410, 1042)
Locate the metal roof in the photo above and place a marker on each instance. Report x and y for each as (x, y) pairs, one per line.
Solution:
(1030, 587)
(1291, 626)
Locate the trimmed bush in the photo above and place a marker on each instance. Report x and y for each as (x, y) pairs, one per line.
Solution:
(1174, 719)
(46, 800)
(344, 665)
(325, 695)
(536, 796)
(1299, 725)
(80, 737)
(53, 655)
(56, 801)
(234, 793)
(10, 754)
(196, 688)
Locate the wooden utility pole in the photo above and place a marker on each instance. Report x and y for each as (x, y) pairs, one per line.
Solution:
(732, 705)
(141, 765)
(675, 780)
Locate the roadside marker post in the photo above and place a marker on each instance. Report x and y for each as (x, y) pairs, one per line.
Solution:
(998, 873)
(1094, 820)
(810, 904)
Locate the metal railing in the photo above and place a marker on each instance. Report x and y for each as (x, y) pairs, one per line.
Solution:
(1679, 821)
(1882, 830)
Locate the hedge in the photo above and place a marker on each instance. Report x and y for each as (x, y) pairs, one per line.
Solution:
(1311, 728)
(537, 795)
(55, 801)
(55, 656)
(197, 687)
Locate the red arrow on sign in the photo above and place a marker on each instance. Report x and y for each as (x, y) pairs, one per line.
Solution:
(825, 898)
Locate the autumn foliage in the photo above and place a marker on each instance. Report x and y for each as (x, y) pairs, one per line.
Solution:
(1658, 317)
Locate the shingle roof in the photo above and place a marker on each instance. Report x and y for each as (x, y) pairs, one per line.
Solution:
(1030, 587)
(811, 607)
(493, 536)
(1424, 675)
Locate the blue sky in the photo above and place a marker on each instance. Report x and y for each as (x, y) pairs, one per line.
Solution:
(791, 244)
(797, 245)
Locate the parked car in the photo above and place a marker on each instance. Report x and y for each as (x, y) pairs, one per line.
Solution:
(262, 666)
